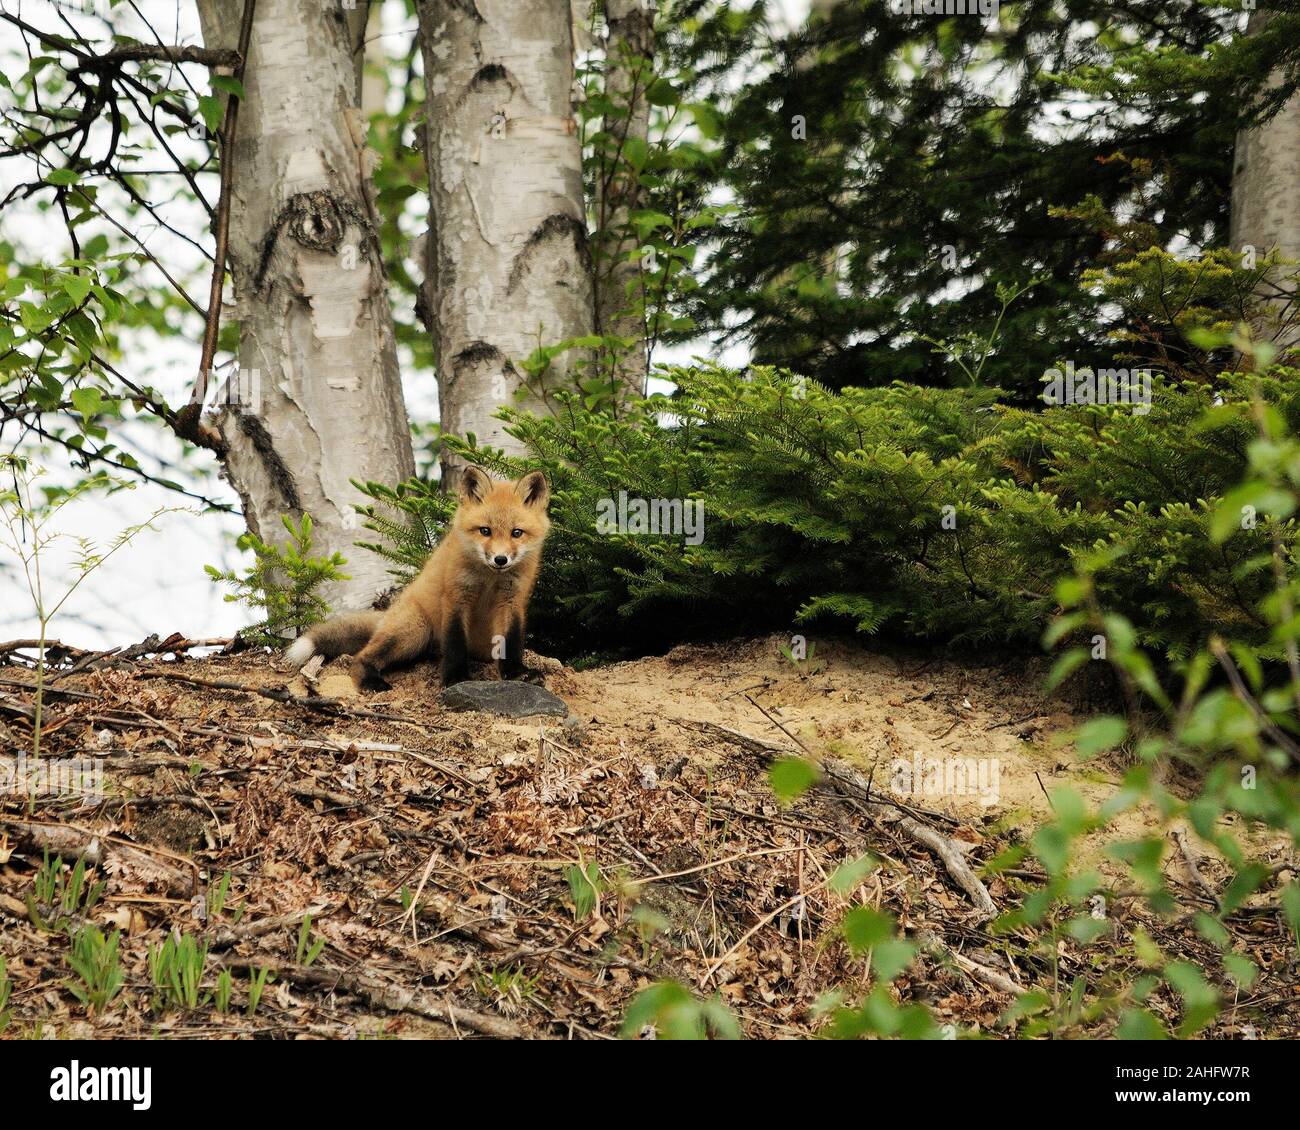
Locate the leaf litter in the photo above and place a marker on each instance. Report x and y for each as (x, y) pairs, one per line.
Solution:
(398, 870)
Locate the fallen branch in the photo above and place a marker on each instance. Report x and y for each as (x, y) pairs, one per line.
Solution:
(279, 694)
(174, 644)
(852, 783)
(31, 687)
(72, 842)
(228, 936)
(951, 851)
(932, 944)
(1189, 857)
(35, 645)
(13, 706)
(379, 993)
(325, 796)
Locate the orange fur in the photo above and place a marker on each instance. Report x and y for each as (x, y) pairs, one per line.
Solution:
(471, 597)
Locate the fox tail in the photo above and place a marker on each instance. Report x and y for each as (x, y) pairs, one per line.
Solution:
(341, 635)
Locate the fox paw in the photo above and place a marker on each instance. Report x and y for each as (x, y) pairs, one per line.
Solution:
(370, 680)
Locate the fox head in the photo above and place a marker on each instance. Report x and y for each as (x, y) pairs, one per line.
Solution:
(501, 524)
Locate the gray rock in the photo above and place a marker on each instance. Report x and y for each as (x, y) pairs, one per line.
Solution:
(509, 698)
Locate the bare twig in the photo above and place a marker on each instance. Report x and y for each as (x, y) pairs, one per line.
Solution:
(187, 419)
(1248, 700)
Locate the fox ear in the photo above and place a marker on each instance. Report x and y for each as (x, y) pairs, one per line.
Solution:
(474, 484)
(534, 490)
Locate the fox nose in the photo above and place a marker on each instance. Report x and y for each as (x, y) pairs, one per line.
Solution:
(501, 560)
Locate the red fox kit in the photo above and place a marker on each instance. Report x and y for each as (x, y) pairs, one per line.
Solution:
(470, 598)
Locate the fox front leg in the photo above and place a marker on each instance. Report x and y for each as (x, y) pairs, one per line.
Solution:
(455, 653)
(510, 664)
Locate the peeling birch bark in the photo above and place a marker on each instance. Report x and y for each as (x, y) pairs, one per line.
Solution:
(508, 267)
(319, 399)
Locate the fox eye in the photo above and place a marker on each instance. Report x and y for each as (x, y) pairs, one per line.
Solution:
(486, 531)
(516, 533)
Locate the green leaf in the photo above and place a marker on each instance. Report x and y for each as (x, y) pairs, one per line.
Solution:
(675, 1015)
(213, 112)
(1139, 1024)
(865, 928)
(791, 777)
(1200, 998)
(87, 401)
(1241, 969)
(1290, 901)
(707, 119)
(1258, 498)
(229, 84)
(77, 287)
(1071, 590)
(1100, 735)
(846, 877)
(890, 958)
(636, 152)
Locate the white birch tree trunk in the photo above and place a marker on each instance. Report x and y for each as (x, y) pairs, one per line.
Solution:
(319, 397)
(508, 264)
(1266, 193)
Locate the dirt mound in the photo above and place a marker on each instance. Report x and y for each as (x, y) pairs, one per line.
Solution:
(460, 873)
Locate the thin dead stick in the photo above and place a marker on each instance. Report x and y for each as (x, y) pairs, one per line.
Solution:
(1013, 721)
(438, 765)
(20, 685)
(717, 863)
(803, 839)
(415, 899)
(327, 796)
(32, 645)
(776, 722)
(148, 900)
(233, 935)
(1043, 789)
(461, 921)
(188, 424)
(1248, 701)
(754, 929)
